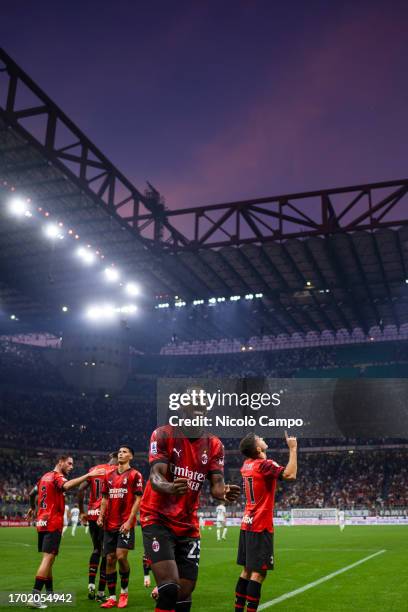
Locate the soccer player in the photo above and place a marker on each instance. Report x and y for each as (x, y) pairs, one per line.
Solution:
(121, 494)
(66, 519)
(255, 549)
(180, 459)
(51, 490)
(147, 566)
(90, 518)
(341, 519)
(221, 512)
(201, 521)
(74, 519)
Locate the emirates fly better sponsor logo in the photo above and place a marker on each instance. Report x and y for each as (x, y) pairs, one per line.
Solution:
(119, 492)
(195, 479)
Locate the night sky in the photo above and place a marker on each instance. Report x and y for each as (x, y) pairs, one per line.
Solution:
(213, 101)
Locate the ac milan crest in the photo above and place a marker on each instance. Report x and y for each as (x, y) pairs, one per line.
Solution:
(155, 546)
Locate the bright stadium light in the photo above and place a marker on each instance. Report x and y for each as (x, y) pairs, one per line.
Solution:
(64, 309)
(132, 289)
(249, 296)
(94, 312)
(180, 304)
(112, 275)
(101, 312)
(129, 309)
(235, 298)
(53, 232)
(86, 255)
(259, 295)
(198, 302)
(212, 301)
(221, 299)
(163, 305)
(19, 207)
(108, 311)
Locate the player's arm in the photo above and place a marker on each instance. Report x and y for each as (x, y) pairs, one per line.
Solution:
(219, 490)
(32, 498)
(126, 527)
(81, 499)
(290, 471)
(160, 483)
(75, 482)
(102, 509)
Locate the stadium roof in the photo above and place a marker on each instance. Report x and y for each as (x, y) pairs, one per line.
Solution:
(330, 259)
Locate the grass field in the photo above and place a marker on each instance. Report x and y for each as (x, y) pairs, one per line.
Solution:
(302, 554)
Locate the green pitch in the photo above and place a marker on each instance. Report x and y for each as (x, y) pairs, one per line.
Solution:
(302, 555)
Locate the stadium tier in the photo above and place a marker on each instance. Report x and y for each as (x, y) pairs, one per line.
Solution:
(185, 379)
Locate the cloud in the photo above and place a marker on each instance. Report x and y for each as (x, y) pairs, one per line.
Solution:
(311, 129)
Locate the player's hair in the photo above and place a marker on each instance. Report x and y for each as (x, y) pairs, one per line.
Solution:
(63, 458)
(248, 445)
(128, 447)
(114, 455)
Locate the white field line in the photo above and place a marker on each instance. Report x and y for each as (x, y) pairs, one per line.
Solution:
(311, 585)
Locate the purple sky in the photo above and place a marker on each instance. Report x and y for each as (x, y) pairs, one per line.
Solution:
(214, 101)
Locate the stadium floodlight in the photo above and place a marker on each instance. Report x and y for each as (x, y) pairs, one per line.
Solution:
(132, 289)
(64, 309)
(94, 313)
(308, 283)
(163, 305)
(235, 298)
(212, 301)
(180, 304)
(108, 311)
(13, 317)
(53, 232)
(259, 295)
(221, 299)
(112, 275)
(129, 309)
(86, 255)
(101, 312)
(198, 302)
(249, 296)
(19, 207)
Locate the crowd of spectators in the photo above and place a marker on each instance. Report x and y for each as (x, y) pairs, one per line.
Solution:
(373, 480)
(275, 363)
(28, 366)
(45, 416)
(36, 367)
(62, 420)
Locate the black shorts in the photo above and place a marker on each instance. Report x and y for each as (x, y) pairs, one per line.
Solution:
(96, 534)
(255, 550)
(49, 541)
(114, 539)
(161, 544)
